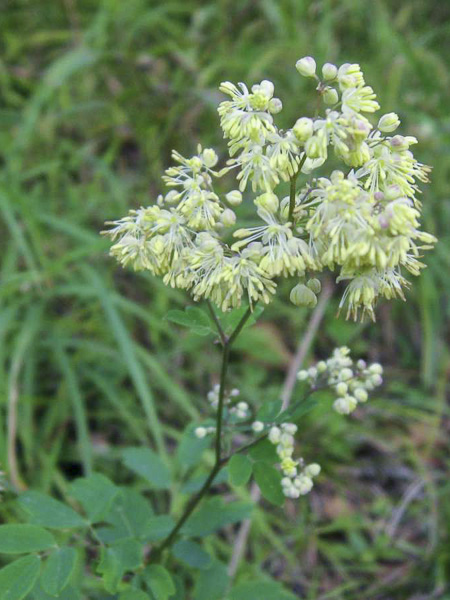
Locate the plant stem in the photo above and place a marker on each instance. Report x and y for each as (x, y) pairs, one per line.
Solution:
(293, 188)
(219, 461)
(223, 337)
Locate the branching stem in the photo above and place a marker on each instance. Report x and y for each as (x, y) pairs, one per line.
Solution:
(219, 461)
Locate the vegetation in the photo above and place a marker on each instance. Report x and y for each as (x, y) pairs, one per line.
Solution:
(94, 96)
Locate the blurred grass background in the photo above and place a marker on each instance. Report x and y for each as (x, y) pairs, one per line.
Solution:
(93, 96)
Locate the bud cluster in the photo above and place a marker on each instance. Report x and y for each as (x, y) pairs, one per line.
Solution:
(350, 381)
(297, 477)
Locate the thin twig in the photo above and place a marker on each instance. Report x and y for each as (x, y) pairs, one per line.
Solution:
(286, 395)
(223, 337)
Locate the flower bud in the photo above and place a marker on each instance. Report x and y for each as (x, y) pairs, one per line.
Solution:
(306, 66)
(302, 375)
(312, 470)
(312, 147)
(399, 142)
(341, 388)
(200, 432)
(172, 197)
(376, 369)
(330, 96)
(274, 435)
(269, 201)
(210, 157)
(234, 198)
(329, 71)
(314, 285)
(303, 484)
(360, 394)
(267, 88)
(302, 296)
(228, 218)
(388, 122)
(257, 426)
(303, 129)
(275, 106)
(196, 163)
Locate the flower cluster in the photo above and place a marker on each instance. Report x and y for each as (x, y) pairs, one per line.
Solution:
(362, 221)
(351, 381)
(297, 477)
(239, 410)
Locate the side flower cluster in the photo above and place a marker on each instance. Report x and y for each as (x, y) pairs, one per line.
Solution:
(297, 477)
(362, 222)
(351, 381)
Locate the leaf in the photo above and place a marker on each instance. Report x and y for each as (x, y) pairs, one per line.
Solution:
(214, 514)
(18, 539)
(260, 590)
(49, 512)
(269, 482)
(191, 447)
(230, 320)
(68, 593)
(298, 410)
(58, 569)
(159, 581)
(18, 578)
(269, 411)
(134, 595)
(239, 469)
(196, 483)
(192, 317)
(116, 560)
(147, 464)
(191, 554)
(95, 494)
(129, 515)
(264, 451)
(212, 583)
(158, 527)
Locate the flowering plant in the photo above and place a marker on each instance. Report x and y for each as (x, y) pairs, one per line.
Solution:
(361, 222)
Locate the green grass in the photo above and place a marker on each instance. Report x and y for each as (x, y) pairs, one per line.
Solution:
(93, 97)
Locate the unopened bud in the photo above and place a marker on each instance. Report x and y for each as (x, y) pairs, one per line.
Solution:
(329, 71)
(330, 96)
(314, 285)
(303, 129)
(268, 201)
(210, 157)
(234, 198)
(228, 217)
(275, 106)
(306, 66)
(302, 296)
(388, 122)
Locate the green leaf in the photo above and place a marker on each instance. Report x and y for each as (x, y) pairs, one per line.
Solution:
(147, 464)
(116, 560)
(192, 317)
(159, 581)
(18, 578)
(134, 595)
(214, 514)
(212, 583)
(298, 410)
(239, 469)
(129, 517)
(269, 482)
(18, 539)
(49, 512)
(260, 590)
(191, 447)
(230, 320)
(269, 411)
(192, 554)
(264, 451)
(95, 494)
(58, 570)
(158, 527)
(68, 593)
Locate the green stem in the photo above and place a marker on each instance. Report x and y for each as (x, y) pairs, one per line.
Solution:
(293, 188)
(219, 461)
(223, 337)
